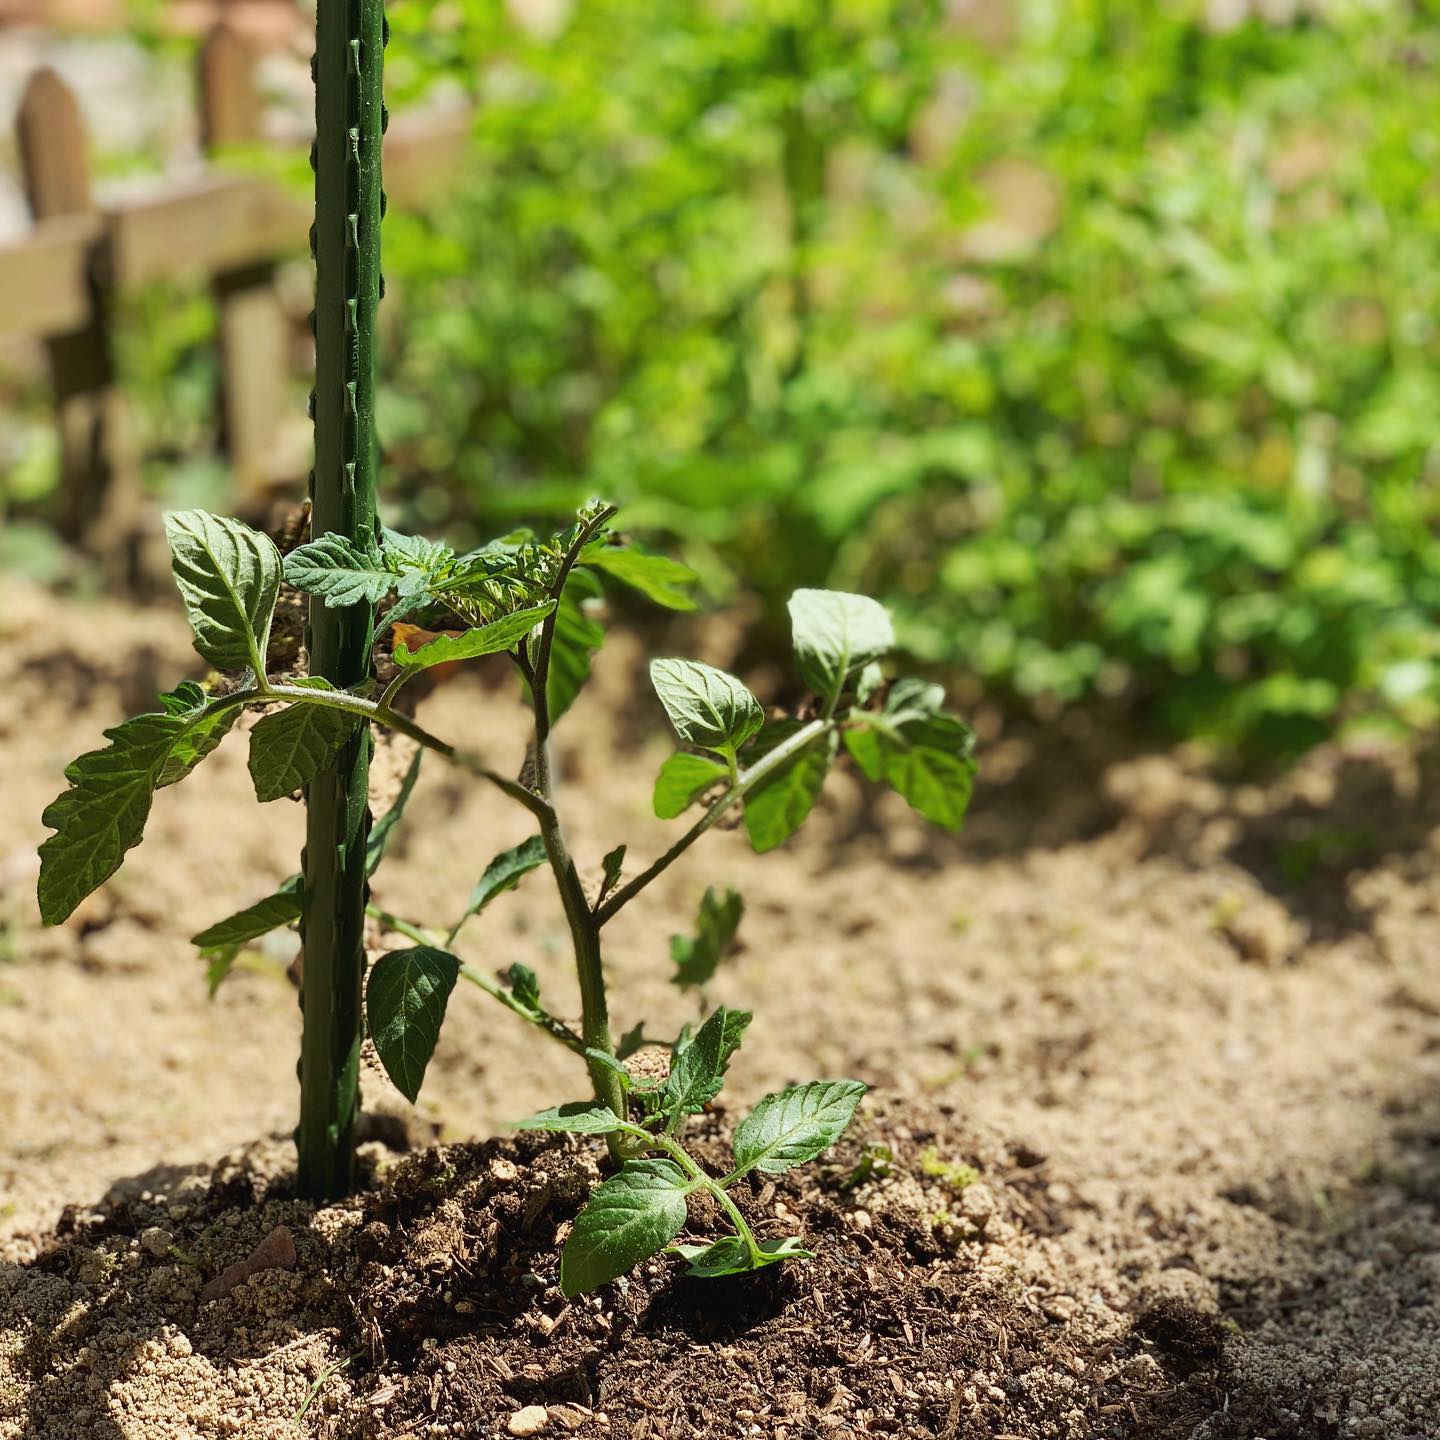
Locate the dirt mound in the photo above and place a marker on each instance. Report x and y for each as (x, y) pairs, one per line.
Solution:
(1212, 1005)
(431, 1306)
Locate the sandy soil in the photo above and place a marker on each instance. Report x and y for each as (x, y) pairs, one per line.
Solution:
(1206, 1015)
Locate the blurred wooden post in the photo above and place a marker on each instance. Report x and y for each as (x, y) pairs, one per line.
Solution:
(97, 486)
(253, 344)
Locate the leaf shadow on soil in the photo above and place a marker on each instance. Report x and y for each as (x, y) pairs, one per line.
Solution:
(1335, 1300)
(1304, 837)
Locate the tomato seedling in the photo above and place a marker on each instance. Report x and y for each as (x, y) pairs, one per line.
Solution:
(529, 599)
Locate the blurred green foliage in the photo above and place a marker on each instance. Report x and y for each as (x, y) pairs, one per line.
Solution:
(1107, 353)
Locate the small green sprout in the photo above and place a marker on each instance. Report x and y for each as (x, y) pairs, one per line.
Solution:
(953, 1173)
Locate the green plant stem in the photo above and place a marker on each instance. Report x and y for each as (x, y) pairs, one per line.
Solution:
(408, 928)
(585, 936)
(540, 678)
(387, 700)
(556, 1029)
(682, 1157)
(767, 765)
(584, 932)
(328, 1373)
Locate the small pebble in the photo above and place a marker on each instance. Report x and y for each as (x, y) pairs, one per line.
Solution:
(529, 1421)
(156, 1241)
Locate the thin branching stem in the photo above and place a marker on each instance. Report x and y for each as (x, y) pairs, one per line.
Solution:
(749, 779)
(584, 932)
(555, 1029)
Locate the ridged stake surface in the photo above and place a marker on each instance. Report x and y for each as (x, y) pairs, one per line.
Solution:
(345, 241)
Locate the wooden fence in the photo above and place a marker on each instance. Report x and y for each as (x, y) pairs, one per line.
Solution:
(58, 282)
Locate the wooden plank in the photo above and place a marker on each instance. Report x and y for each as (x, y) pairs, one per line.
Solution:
(210, 224)
(252, 328)
(213, 223)
(230, 103)
(98, 481)
(423, 156)
(45, 277)
(53, 148)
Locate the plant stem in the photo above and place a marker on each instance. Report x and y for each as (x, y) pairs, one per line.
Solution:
(555, 1029)
(540, 678)
(585, 936)
(767, 765)
(682, 1157)
(736, 1219)
(382, 715)
(584, 932)
(404, 927)
(349, 42)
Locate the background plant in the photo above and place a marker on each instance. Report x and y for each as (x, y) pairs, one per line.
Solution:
(1104, 355)
(1156, 435)
(525, 597)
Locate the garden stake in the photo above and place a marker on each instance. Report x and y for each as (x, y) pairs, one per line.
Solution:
(345, 242)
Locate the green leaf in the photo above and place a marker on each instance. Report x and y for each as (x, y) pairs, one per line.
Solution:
(656, 576)
(927, 757)
(222, 962)
(405, 1001)
(610, 1063)
(580, 1117)
(525, 986)
(284, 907)
(698, 1066)
(612, 864)
(836, 635)
(339, 571)
(504, 873)
(731, 1256)
(776, 807)
(291, 747)
(795, 1125)
(414, 561)
(502, 634)
(199, 738)
(103, 812)
(707, 707)
(682, 779)
(697, 959)
(629, 1218)
(379, 836)
(228, 576)
(576, 639)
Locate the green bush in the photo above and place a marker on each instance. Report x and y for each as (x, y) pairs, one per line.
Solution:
(1164, 436)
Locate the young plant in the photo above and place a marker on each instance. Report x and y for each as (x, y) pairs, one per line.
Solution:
(530, 599)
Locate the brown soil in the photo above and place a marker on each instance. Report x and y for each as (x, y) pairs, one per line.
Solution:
(1187, 1033)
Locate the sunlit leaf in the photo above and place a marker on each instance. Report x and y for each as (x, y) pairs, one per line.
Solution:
(228, 576)
(629, 1218)
(657, 577)
(707, 707)
(795, 1125)
(405, 1002)
(291, 747)
(103, 812)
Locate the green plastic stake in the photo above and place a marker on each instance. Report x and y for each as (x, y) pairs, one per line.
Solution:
(345, 242)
